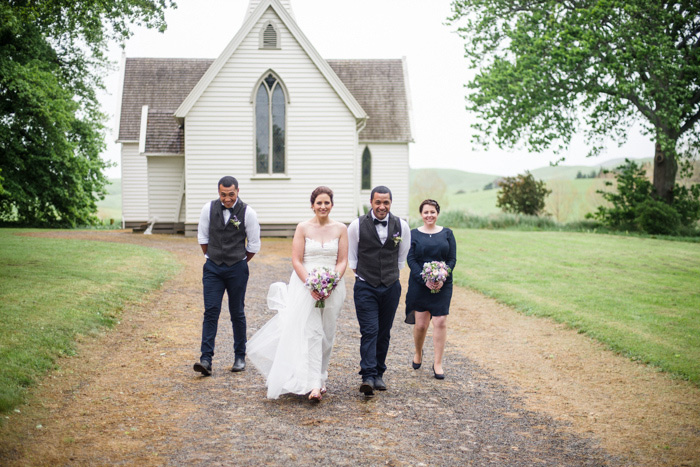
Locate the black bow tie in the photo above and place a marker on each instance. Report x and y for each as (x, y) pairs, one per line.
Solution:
(224, 208)
(377, 221)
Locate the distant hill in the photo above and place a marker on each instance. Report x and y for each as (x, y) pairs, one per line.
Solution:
(468, 181)
(568, 172)
(570, 200)
(456, 180)
(111, 206)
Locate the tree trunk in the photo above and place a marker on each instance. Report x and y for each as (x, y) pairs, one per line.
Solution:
(665, 168)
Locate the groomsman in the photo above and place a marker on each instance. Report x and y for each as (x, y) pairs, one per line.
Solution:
(378, 246)
(229, 235)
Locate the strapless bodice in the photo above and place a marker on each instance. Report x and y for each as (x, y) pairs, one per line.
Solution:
(317, 254)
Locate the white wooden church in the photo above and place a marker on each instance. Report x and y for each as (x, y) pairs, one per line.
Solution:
(269, 111)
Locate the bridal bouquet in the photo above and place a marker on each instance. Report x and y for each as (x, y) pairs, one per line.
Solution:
(323, 280)
(436, 271)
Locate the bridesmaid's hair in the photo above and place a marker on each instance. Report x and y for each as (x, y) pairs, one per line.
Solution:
(431, 202)
(319, 191)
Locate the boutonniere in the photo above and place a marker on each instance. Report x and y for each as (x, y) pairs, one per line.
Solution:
(397, 238)
(236, 223)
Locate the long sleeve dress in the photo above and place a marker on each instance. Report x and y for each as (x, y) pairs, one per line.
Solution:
(439, 246)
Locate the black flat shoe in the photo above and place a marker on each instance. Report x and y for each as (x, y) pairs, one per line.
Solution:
(417, 365)
(438, 375)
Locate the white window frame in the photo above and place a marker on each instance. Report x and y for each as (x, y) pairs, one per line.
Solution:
(269, 174)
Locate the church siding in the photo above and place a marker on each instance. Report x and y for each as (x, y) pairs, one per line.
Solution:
(389, 168)
(321, 138)
(134, 184)
(164, 187)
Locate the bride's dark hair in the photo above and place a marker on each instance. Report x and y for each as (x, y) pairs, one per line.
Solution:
(319, 191)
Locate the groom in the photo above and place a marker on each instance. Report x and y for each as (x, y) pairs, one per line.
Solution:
(378, 246)
(229, 235)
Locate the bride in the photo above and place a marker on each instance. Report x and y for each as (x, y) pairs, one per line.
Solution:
(293, 349)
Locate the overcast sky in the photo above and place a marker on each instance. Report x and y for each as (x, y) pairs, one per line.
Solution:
(367, 29)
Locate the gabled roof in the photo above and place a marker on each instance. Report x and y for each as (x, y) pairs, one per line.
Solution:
(381, 88)
(305, 44)
(161, 84)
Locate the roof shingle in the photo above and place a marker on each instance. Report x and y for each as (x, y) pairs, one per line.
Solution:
(380, 88)
(163, 84)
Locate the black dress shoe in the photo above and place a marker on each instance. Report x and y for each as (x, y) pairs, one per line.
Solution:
(438, 375)
(238, 364)
(379, 383)
(203, 367)
(367, 387)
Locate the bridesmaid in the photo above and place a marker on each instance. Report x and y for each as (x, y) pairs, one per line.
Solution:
(429, 242)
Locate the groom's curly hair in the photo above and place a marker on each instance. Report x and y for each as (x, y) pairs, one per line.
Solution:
(319, 191)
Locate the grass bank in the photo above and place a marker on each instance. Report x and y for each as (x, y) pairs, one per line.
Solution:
(52, 290)
(637, 295)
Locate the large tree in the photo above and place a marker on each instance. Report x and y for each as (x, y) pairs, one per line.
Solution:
(52, 60)
(545, 66)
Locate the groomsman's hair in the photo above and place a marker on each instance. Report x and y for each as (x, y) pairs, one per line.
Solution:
(321, 190)
(227, 181)
(380, 189)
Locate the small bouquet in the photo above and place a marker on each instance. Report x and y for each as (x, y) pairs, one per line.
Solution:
(323, 280)
(236, 223)
(436, 271)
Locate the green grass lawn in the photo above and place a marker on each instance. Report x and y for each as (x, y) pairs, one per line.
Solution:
(639, 296)
(51, 290)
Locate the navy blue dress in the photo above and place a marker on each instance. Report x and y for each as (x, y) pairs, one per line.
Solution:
(439, 246)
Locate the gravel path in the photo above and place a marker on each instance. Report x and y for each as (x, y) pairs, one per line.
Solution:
(132, 397)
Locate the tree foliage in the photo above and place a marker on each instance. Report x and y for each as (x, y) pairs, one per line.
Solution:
(52, 59)
(634, 207)
(522, 195)
(545, 66)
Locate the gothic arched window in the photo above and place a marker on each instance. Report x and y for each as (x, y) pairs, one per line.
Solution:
(366, 169)
(270, 126)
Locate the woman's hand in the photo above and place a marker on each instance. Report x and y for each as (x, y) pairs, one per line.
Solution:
(432, 285)
(317, 295)
(438, 285)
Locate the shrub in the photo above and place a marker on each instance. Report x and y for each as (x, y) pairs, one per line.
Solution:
(686, 201)
(657, 218)
(522, 195)
(633, 189)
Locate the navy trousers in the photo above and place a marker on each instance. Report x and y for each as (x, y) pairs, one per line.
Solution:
(215, 280)
(375, 308)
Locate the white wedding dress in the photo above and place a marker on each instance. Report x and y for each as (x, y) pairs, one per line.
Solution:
(293, 349)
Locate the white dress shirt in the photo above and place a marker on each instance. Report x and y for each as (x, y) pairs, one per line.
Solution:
(252, 227)
(383, 232)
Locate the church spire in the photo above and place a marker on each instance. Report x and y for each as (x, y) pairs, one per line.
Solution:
(253, 4)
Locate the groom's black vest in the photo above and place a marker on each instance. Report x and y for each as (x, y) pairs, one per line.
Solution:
(378, 264)
(226, 242)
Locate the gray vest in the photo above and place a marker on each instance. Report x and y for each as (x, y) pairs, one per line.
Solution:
(378, 264)
(226, 242)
